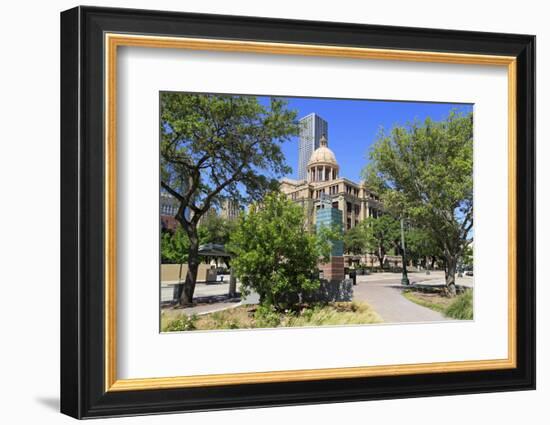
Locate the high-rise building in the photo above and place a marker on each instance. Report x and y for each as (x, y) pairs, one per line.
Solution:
(230, 209)
(312, 127)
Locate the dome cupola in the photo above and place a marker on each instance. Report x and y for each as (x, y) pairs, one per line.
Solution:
(322, 165)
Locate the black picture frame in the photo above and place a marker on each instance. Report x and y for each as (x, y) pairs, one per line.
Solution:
(83, 392)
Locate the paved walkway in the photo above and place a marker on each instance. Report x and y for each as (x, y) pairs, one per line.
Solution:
(383, 293)
(381, 290)
(201, 290)
(209, 298)
(208, 308)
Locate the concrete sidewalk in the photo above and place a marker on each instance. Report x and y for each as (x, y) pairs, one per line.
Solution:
(208, 298)
(385, 297)
(201, 290)
(381, 290)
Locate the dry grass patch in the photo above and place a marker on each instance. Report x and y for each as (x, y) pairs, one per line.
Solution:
(254, 316)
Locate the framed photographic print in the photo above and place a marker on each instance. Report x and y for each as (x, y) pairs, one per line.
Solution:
(261, 212)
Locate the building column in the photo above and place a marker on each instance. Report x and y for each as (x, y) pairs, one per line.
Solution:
(342, 207)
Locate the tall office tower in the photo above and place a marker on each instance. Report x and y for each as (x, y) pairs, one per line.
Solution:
(312, 127)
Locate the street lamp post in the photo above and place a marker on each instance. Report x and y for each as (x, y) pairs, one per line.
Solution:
(404, 277)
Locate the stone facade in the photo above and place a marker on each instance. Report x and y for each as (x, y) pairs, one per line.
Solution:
(324, 184)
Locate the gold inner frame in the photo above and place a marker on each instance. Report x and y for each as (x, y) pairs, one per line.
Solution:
(113, 41)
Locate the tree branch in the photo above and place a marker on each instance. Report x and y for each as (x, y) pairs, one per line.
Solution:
(172, 192)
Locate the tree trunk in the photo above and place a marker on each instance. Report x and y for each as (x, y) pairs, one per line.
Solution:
(193, 267)
(179, 274)
(450, 271)
(381, 256)
(232, 285)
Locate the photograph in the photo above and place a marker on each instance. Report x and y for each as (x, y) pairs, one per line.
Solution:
(284, 212)
(291, 210)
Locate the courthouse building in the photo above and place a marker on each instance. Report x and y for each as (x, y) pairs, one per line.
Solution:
(323, 187)
(323, 183)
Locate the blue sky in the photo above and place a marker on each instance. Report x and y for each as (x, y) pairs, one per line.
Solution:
(354, 124)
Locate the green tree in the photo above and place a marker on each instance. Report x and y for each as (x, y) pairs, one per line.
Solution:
(419, 245)
(216, 229)
(424, 172)
(468, 256)
(355, 240)
(273, 255)
(174, 248)
(216, 147)
(381, 234)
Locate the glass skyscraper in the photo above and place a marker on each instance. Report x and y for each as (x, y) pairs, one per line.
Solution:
(312, 127)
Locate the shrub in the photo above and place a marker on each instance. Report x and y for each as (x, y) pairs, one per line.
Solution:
(273, 256)
(224, 320)
(184, 323)
(266, 317)
(462, 308)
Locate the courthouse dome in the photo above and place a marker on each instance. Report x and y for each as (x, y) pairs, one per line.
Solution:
(322, 155)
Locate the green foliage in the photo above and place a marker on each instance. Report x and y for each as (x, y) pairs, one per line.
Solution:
(468, 256)
(355, 240)
(424, 172)
(420, 244)
(460, 307)
(273, 255)
(222, 320)
(216, 146)
(266, 317)
(174, 247)
(380, 234)
(463, 306)
(261, 316)
(183, 323)
(216, 229)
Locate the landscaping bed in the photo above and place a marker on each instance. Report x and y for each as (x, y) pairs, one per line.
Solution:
(257, 316)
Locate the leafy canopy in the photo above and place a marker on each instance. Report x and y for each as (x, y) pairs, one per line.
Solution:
(381, 234)
(355, 241)
(419, 244)
(424, 173)
(219, 146)
(174, 246)
(215, 229)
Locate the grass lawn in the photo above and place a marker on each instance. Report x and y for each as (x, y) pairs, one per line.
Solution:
(459, 307)
(255, 316)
